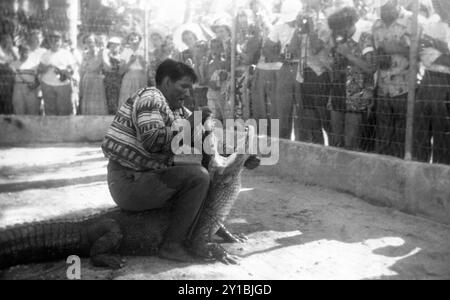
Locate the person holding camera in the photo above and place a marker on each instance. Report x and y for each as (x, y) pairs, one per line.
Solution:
(57, 67)
(313, 72)
(355, 65)
(392, 38)
(285, 35)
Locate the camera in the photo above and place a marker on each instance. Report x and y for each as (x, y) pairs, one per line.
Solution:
(304, 24)
(62, 76)
(340, 39)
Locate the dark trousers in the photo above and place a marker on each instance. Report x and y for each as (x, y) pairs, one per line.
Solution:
(347, 128)
(288, 100)
(314, 116)
(432, 119)
(264, 103)
(184, 188)
(58, 100)
(6, 89)
(391, 125)
(264, 94)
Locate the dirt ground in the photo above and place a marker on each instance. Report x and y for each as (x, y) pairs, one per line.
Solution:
(295, 231)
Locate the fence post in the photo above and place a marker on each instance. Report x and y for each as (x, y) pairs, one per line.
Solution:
(146, 31)
(233, 59)
(73, 13)
(413, 70)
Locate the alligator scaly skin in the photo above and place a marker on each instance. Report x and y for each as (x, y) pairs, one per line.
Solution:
(224, 190)
(114, 232)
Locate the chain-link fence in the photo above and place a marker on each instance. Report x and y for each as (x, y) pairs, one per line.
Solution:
(354, 74)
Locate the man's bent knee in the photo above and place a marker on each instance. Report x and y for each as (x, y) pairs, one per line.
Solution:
(200, 176)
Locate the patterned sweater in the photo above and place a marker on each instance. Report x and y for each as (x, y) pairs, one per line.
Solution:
(140, 137)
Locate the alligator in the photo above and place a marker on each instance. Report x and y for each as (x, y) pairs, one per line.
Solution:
(108, 236)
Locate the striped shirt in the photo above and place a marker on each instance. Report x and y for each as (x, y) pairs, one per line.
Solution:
(140, 137)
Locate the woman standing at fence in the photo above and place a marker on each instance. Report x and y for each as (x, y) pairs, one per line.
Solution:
(8, 54)
(92, 89)
(354, 46)
(135, 76)
(112, 62)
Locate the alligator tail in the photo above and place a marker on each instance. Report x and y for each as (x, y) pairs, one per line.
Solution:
(38, 242)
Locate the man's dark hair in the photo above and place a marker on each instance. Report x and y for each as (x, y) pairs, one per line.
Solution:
(344, 18)
(175, 71)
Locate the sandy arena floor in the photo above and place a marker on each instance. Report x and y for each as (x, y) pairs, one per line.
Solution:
(295, 231)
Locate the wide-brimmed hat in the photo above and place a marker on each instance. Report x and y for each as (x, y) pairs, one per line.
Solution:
(55, 33)
(290, 10)
(115, 40)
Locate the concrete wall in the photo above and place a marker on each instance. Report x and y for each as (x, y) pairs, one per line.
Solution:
(414, 188)
(22, 130)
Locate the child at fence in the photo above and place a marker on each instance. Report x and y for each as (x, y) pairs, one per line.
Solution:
(26, 86)
(218, 74)
(113, 79)
(92, 89)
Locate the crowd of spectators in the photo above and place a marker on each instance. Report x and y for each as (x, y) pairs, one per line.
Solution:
(332, 72)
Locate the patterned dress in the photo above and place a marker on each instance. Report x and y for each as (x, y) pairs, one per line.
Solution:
(359, 87)
(92, 89)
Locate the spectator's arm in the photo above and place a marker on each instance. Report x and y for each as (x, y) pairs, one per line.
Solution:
(443, 60)
(43, 68)
(129, 59)
(316, 44)
(107, 66)
(344, 50)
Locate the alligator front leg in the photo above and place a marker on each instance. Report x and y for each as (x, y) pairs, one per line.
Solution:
(229, 237)
(105, 238)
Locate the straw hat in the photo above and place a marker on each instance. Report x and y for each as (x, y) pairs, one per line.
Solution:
(115, 40)
(224, 20)
(290, 10)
